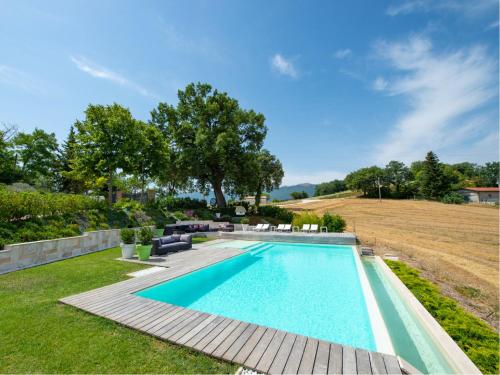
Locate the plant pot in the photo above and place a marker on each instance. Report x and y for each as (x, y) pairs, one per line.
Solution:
(143, 252)
(128, 250)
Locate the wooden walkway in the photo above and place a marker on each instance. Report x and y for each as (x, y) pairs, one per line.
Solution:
(263, 349)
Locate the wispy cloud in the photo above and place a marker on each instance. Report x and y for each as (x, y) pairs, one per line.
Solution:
(380, 84)
(94, 70)
(21, 80)
(283, 66)
(442, 90)
(294, 178)
(343, 53)
(466, 7)
(493, 25)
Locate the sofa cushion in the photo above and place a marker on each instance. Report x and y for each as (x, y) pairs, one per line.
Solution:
(167, 240)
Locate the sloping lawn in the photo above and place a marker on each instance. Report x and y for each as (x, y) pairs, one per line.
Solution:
(39, 335)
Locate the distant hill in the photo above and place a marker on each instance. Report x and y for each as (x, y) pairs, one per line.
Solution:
(283, 193)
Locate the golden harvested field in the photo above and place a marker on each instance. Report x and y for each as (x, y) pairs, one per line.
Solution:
(456, 246)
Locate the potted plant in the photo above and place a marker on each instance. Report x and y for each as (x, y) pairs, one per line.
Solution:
(128, 242)
(144, 248)
(244, 223)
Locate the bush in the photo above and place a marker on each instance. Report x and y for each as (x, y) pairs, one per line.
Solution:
(128, 204)
(453, 198)
(476, 338)
(276, 212)
(334, 223)
(244, 220)
(145, 235)
(171, 203)
(127, 235)
(299, 195)
(306, 218)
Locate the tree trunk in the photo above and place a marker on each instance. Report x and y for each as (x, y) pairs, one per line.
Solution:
(258, 194)
(219, 195)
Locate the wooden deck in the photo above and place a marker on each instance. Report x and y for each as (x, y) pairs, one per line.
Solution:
(263, 349)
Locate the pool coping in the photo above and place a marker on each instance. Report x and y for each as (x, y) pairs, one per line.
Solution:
(449, 348)
(257, 347)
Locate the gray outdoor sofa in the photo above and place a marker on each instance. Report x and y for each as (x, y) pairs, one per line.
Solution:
(170, 244)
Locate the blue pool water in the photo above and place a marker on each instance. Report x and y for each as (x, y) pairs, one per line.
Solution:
(312, 290)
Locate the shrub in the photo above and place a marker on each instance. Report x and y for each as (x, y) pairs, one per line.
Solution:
(306, 218)
(276, 212)
(244, 220)
(128, 205)
(453, 198)
(127, 235)
(299, 195)
(171, 203)
(334, 223)
(145, 235)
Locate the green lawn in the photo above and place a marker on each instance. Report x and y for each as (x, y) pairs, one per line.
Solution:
(39, 335)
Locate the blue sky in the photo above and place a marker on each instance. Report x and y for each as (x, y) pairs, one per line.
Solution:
(342, 84)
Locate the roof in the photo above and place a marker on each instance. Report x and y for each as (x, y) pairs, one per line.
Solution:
(479, 189)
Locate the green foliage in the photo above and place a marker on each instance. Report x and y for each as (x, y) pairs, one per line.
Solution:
(276, 212)
(453, 198)
(216, 140)
(145, 235)
(299, 195)
(331, 187)
(306, 218)
(432, 179)
(128, 205)
(171, 203)
(489, 174)
(268, 174)
(476, 338)
(244, 220)
(334, 223)
(366, 180)
(127, 235)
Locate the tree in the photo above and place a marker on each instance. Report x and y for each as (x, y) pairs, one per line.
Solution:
(70, 181)
(106, 140)
(331, 187)
(433, 181)
(489, 174)
(366, 180)
(9, 172)
(299, 195)
(268, 173)
(397, 174)
(216, 141)
(37, 155)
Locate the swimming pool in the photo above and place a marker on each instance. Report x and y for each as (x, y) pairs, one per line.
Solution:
(308, 289)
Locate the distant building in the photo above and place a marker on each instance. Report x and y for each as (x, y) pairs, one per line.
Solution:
(480, 194)
(250, 199)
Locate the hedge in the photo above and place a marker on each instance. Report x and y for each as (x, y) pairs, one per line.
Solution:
(276, 212)
(23, 205)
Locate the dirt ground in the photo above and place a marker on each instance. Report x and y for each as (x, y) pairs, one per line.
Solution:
(456, 246)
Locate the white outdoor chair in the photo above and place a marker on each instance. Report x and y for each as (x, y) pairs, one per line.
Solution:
(287, 227)
(258, 228)
(305, 228)
(280, 228)
(265, 227)
(314, 228)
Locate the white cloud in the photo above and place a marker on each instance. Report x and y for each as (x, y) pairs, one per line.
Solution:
(21, 80)
(97, 71)
(468, 8)
(442, 90)
(380, 84)
(343, 53)
(294, 178)
(493, 25)
(283, 66)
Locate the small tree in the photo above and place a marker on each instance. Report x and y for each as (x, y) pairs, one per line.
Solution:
(268, 174)
(334, 223)
(299, 195)
(433, 182)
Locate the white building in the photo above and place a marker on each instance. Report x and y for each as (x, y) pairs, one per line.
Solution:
(480, 194)
(251, 199)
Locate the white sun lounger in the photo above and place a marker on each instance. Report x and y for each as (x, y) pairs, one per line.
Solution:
(287, 227)
(280, 228)
(265, 227)
(314, 228)
(258, 227)
(305, 228)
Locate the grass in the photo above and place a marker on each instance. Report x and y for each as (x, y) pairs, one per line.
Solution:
(39, 335)
(454, 245)
(474, 336)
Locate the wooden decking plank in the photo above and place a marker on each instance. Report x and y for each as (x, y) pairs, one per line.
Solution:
(148, 321)
(260, 348)
(293, 362)
(349, 360)
(226, 344)
(133, 307)
(281, 357)
(203, 324)
(212, 334)
(249, 346)
(335, 360)
(272, 349)
(172, 322)
(377, 363)
(307, 362)
(217, 340)
(363, 362)
(168, 331)
(109, 310)
(239, 342)
(391, 364)
(153, 311)
(180, 333)
(140, 311)
(197, 337)
(172, 314)
(322, 355)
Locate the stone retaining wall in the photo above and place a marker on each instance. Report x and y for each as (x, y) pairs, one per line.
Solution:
(30, 254)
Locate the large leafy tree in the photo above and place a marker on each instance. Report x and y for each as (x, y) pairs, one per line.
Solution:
(397, 174)
(433, 181)
(106, 143)
(215, 140)
(331, 187)
(268, 174)
(489, 174)
(9, 172)
(366, 180)
(36, 155)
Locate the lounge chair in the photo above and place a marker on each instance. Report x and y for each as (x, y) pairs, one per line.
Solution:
(287, 227)
(280, 227)
(305, 228)
(258, 228)
(314, 228)
(265, 227)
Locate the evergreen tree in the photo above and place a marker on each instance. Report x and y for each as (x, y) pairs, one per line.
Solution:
(433, 182)
(70, 183)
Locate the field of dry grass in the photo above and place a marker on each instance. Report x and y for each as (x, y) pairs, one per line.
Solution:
(456, 246)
